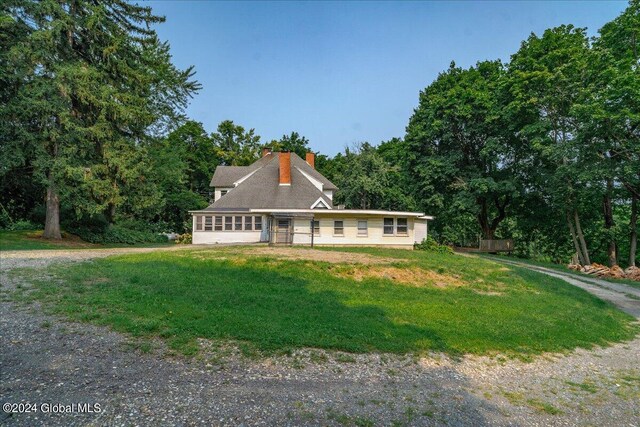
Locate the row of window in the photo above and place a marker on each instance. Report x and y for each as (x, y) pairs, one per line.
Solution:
(228, 223)
(392, 226)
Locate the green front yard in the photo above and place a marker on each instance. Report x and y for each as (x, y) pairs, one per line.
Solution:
(406, 301)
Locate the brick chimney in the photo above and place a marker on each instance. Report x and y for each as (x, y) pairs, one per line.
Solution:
(285, 168)
(266, 151)
(311, 159)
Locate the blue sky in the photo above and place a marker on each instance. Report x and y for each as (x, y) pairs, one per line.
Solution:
(343, 72)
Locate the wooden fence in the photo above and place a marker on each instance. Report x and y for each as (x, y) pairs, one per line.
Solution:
(505, 245)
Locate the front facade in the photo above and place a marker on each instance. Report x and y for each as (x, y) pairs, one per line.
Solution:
(282, 199)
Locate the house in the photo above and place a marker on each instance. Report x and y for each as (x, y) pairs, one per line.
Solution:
(283, 199)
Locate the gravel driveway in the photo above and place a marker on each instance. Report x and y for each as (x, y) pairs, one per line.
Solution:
(46, 360)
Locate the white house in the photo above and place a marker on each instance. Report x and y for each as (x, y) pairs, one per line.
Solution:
(282, 199)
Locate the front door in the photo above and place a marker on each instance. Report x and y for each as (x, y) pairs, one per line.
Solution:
(283, 231)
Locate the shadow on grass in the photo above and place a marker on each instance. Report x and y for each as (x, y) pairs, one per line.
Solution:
(274, 305)
(183, 299)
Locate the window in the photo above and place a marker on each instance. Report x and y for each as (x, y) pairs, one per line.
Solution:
(316, 228)
(401, 226)
(362, 228)
(397, 226)
(388, 226)
(199, 223)
(257, 223)
(228, 223)
(238, 222)
(218, 223)
(208, 223)
(223, 192)
(338, 228)
(247, 223)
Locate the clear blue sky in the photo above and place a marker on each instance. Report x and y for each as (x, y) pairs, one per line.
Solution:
(343, 72)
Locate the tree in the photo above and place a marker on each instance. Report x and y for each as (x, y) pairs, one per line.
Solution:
(234, 145)
(191, 143)
(459, 153)
(612, 113)
(92, 82)
(293, 142)
(545, 82)
(366, 180)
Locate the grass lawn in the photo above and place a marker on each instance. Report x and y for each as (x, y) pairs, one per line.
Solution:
(561, 267)
(32, 240)
(408, 301)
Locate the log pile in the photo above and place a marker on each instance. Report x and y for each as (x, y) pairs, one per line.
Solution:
(599, 270)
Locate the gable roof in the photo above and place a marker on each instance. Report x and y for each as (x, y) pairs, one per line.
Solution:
(260, 188)
(226, 176)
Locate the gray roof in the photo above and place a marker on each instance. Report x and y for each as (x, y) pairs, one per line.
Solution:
(262, 190)
(225, 176)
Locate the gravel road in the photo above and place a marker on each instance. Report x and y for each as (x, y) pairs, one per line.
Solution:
(47, 360)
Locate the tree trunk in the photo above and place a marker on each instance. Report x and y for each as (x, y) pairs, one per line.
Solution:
(111, 213)
(633, 224)
(52, 220)
(609, 223)
(483, 219)
(583, 243)
(576, 245)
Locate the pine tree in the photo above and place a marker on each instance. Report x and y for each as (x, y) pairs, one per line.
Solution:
(92, 83)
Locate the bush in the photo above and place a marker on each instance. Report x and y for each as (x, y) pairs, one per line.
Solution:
(430, 245)
(23, 225)
(115, 234)
(184, 239)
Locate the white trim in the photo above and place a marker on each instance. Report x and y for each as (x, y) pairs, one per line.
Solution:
(319, 185)
(345, 212)
(238, 182)
(320, 201)
(334, 212)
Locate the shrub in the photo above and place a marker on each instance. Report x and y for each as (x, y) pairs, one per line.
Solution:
(184, 239)
(430, 245)
(116, 234)
(23, 225)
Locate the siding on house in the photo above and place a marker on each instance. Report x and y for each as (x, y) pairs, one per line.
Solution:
(213, 236)
(350, 237)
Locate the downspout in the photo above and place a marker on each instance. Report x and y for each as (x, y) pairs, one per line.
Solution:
(312, 221)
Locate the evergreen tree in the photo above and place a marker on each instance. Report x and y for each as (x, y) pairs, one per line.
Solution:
(92, 83)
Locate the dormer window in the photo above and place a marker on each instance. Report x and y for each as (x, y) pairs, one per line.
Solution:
(223, 192)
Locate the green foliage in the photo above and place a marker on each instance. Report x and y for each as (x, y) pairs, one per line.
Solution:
(235, 146)
(23, 225)
(97, 229)
(461, 155)
(90, 83)
(118, 234)
(430, 245)
(366, 180)
(294, 142)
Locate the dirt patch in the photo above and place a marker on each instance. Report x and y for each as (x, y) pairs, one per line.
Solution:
(322, 256)
(488, 293)
(96, 281)
(412, 276)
